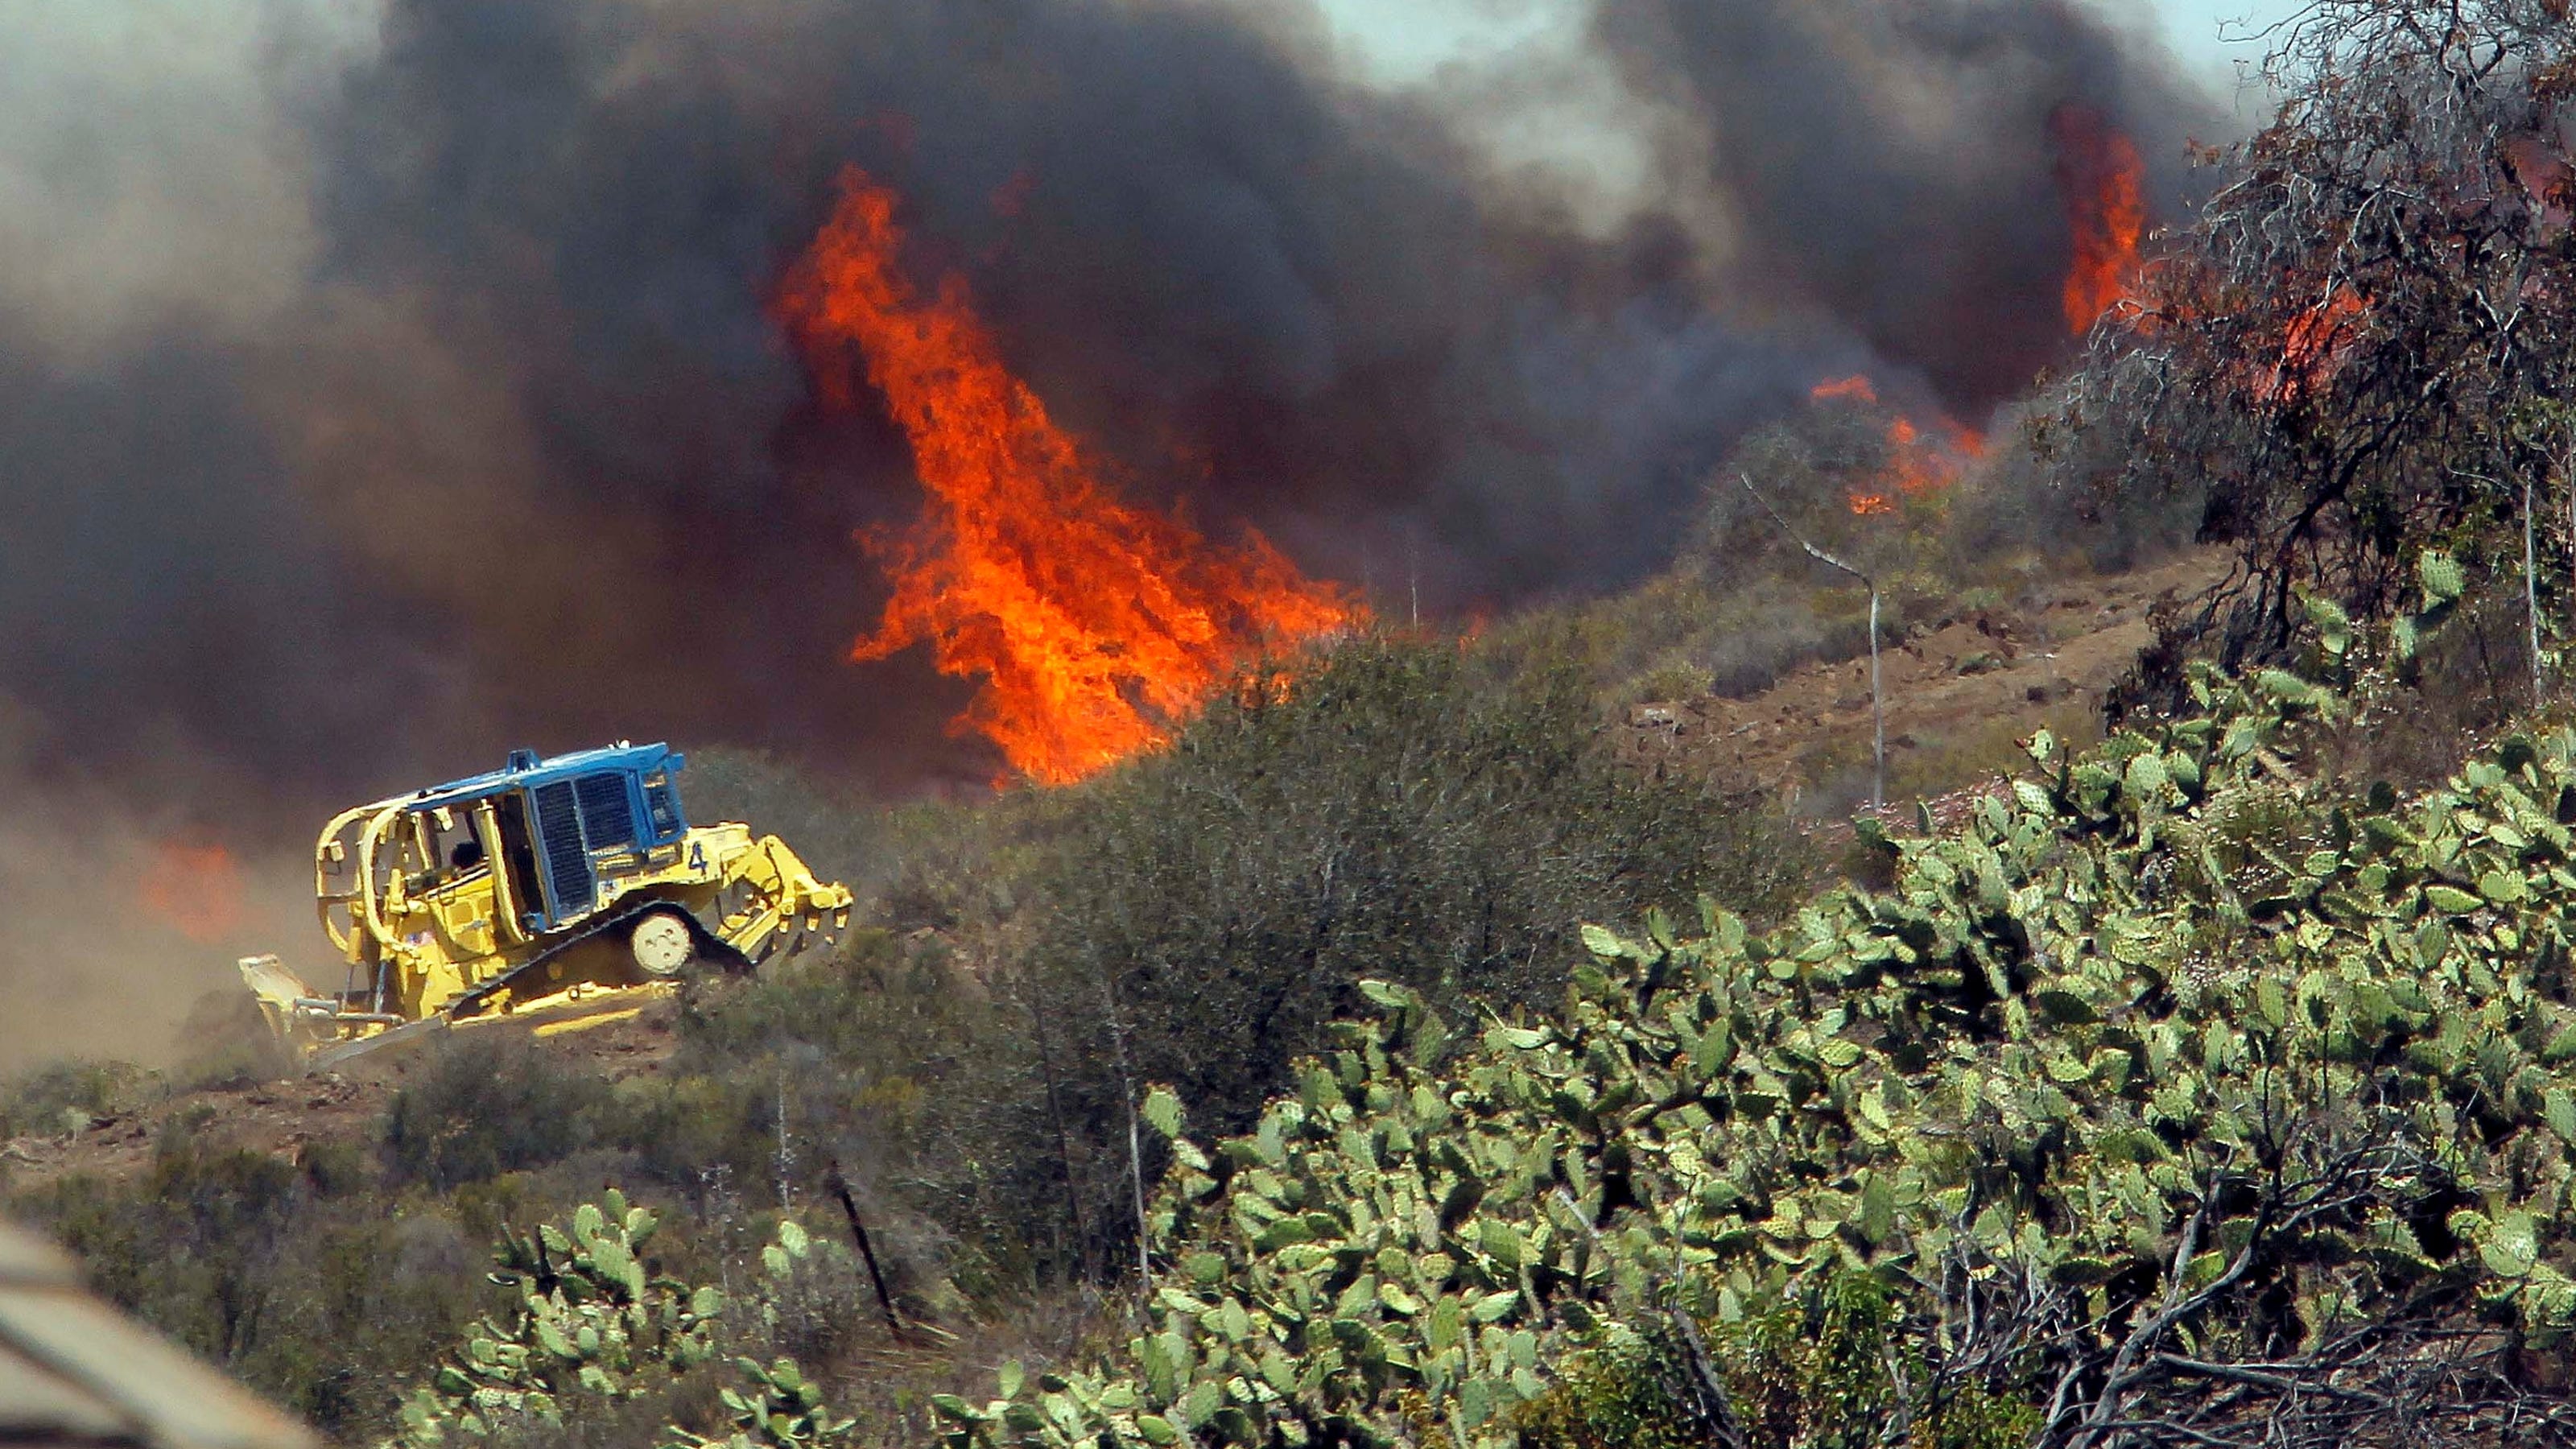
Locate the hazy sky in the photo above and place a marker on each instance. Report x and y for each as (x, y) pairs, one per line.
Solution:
(1523, 81)
(2196, 27)
(1408, 38)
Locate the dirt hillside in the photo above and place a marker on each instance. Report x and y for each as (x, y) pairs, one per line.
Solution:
(282, 1117)
(1958, 695)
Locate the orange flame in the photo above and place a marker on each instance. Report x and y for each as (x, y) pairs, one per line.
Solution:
(1094, 627)
(196, 890)
(2103, 181)
(2313, 347)
(2275, 366)
(1917, 464)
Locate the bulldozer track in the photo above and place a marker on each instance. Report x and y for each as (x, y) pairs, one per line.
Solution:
(708, 945)
(469, 1006)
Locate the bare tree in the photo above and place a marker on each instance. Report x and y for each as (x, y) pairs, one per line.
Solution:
(1877, 701)
(2222, 1357)
(2338, 350)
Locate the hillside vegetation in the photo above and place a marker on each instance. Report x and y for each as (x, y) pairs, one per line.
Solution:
(2178, 1096)
(2185, 1092)
(969, 1065)
(1405, 1056)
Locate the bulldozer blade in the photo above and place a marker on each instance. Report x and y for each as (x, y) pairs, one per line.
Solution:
(279, 991)
(271, 980)
(325, 1058)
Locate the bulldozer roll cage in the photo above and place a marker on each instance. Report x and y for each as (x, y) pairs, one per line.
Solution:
(548, 880)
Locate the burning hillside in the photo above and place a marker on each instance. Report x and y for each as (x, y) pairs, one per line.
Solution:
(1919, 463)
(466, 393)
(1092, 626)
(386, 386)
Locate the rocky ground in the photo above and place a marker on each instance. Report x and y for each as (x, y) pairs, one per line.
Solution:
(1958, 695)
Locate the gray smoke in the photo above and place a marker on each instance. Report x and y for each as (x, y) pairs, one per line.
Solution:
(373, 398)
(1896, 162)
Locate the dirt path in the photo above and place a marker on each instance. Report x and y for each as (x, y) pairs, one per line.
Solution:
(283, 1117)
(1957, 698)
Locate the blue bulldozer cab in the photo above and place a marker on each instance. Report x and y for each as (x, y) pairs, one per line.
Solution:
(575, 822)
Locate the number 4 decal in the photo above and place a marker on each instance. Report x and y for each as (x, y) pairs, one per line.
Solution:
(698, 855)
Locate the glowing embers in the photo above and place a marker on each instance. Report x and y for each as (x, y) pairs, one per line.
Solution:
(195, 890)
(1093, 627)
(1919, 464)
(2313, 346)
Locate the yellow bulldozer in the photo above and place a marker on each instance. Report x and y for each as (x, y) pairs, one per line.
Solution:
(565, 882)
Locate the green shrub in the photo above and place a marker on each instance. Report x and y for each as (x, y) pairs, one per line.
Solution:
(1395, 811)
(924, 1083)
(66, 1097)
(1669, 680)
(1628, 1393)
(483, 1106)
(191, 1246)
(299, 1279)
(1818, 1371)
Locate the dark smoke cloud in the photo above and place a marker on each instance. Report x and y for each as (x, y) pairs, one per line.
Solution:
(1896, 162)
(491, 442)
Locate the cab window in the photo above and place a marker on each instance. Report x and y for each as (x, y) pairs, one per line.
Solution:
(456, 850)
(662, 805)
(441, 846)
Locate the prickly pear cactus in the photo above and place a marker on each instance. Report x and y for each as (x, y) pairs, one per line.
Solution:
(2167, 1019)
(781, 1410)
(590, 1321)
